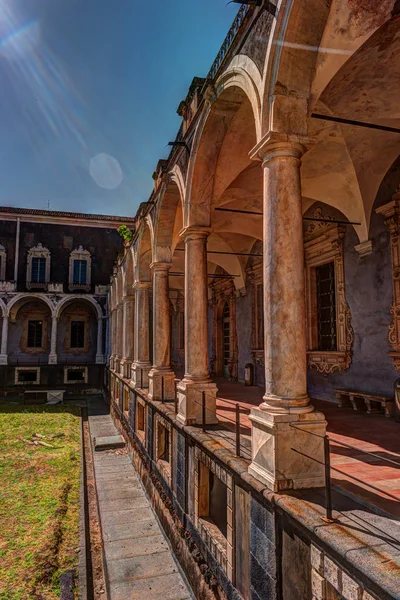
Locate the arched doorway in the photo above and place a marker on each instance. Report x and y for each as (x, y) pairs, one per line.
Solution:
(226, 340)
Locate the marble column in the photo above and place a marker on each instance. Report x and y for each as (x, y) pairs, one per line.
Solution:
(285, 420)
(119, 338)
(99, 349)
(142, 364)
(197, 376)
(129, 318)
(161, 376)
(53, 342)
(4, 341)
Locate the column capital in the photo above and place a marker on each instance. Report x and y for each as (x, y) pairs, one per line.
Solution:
(276, 145)
(195, 232)
(160, 266)
(142, 285)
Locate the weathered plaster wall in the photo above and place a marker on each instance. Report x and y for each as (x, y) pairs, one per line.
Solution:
(369, 294)
(15, 331)
(243, 328)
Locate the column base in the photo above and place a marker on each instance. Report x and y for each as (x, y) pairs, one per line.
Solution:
(140, 374)
(99, 359)
(3, 359)
(52, 359)
(156, 379)
(125, 368)
(190, 398)
(273, 438)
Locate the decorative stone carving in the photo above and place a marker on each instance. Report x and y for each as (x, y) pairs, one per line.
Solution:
(324, 244)
(223, 291)
(317, 225)
(80, 254)
(391, 213)
(38, 251)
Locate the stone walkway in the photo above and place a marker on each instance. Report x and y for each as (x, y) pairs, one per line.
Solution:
(138, 560)
(372, 433)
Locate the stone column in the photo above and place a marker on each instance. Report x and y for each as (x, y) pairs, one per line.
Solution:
(53, 342)
(286, 419)
(124, 320)
(197, 376)
(142, 364)
(99, 350)
(161, 376)
(4, 341)
(129, 317)
(119, 338)
(112, 338)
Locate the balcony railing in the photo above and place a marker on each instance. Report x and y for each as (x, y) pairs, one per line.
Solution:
(229, 39)
(8, 286)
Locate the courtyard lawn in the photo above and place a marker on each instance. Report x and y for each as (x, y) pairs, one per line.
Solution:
(39, 499)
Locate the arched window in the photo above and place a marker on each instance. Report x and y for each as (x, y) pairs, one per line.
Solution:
(38, 270)
(80, 266)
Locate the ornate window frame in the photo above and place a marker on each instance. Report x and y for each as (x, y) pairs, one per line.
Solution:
(19, 370)
(255, 277)
(391, 214)
(324, 244)
(223, 291)
(38, 251)
(3, 262)
(80, 254)
(68, 370)
(77, 314)
(36, 313)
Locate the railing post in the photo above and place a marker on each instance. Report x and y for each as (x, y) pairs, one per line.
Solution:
(203, 410)
(141, 379)
(328, 489)
(162, 389)
(176, 397)
(237, 430)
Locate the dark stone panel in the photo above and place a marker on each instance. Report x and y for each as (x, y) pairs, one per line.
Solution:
(261, 583)
(180, 469)
(149, 432)
(263, 519)
(263, 550)
(132, 409)
(104, 245)
(7, 239)
(255, 45)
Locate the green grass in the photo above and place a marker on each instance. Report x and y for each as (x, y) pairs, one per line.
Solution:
(39, 500)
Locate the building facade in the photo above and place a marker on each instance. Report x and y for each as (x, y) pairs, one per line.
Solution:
(268, 253)
(54, 275)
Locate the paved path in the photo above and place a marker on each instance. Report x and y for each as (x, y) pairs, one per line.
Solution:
(139, 562)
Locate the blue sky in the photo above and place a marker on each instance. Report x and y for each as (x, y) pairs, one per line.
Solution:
(85, 80)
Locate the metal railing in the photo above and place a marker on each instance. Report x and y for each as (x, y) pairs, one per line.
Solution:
(239, 410)
(328, 468)
(229, 39)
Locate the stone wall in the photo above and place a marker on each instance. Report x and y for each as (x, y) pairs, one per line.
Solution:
(277, 547)
(368, 290)
(103, 244)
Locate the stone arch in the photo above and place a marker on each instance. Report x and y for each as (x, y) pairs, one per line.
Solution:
(144, 252)
(289, 67)
(166, 236)
(76, 297)
(12, 307)
(228, 122)
(3, 308)
(128, 273)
